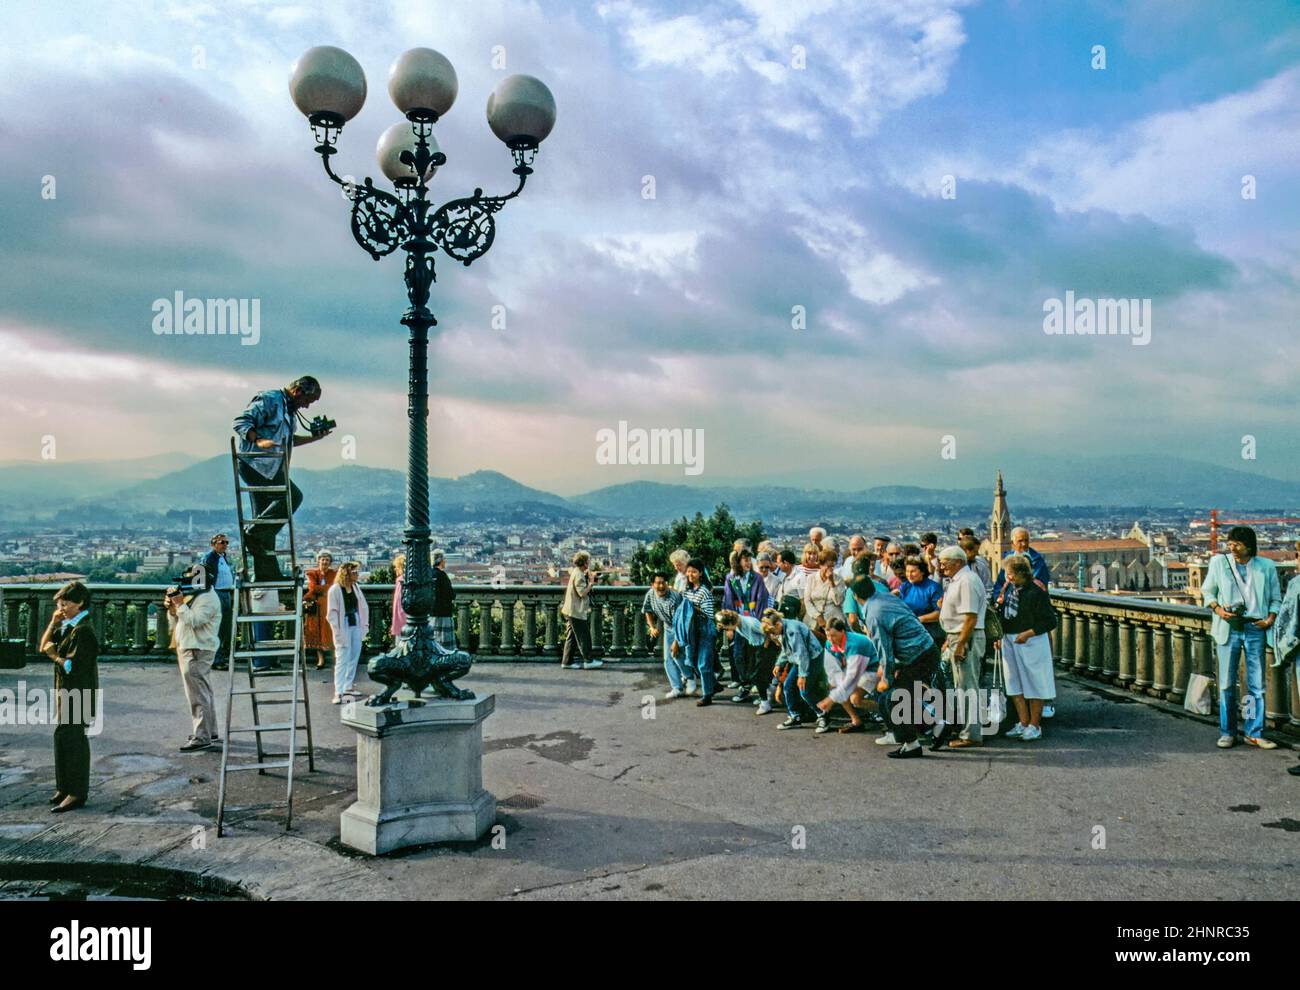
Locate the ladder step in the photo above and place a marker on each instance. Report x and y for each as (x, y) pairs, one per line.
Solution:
(245, 654)
(277, 765)
(278, 690)
(268, 617)
(284, 584)
(262, 521)
(262, 488)
(268, 727)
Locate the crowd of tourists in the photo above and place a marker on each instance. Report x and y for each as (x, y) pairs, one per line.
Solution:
(854, 635)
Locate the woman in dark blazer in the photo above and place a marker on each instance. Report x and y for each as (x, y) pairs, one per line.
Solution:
(69, 641)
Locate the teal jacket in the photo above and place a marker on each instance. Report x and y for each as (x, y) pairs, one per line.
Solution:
(1220, 588)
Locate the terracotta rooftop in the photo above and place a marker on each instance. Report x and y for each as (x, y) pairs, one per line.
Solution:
(1082, 546)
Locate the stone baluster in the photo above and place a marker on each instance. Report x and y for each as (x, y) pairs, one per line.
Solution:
(140, 627)
(1127, 659)
(1145, 658)
(485, 641)
(1110, 651)
(37, 620)
(618, 615)
(508, 625)
(1067, 637)
(551, 638)
(639, 644)
(1081, 638)
(162, 632)
(12, 630)
(1096, 646)
(1162, 668)
(99, 605)
(529, 646)
(1205, 657)
(1182, 664)
(462, 621)
(597, 626)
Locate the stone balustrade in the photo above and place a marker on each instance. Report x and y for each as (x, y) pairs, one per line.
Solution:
(1149, 648)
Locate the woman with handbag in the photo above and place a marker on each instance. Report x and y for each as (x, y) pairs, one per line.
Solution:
(1027, 617)
(316, 633)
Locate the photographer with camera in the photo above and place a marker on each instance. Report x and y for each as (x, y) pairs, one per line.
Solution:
(1242, 590)
(267, 425)
(195, 613)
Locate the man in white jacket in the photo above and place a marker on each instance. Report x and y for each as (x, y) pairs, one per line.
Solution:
(195, 612)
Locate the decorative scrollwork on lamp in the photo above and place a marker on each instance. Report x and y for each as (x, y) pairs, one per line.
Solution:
(379, 221)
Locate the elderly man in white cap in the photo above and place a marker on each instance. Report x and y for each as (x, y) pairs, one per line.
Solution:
(962, 618)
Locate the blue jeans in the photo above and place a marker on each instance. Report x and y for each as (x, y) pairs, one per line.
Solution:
(701, 660)
(1251, 640)
(797, 703)
(675, 667)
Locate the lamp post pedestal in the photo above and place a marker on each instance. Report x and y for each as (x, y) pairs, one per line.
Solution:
(419, 774)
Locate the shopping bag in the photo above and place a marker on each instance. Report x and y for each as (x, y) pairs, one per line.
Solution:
(1199, 696)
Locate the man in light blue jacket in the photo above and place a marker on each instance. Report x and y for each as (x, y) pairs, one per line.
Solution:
(1243, 591)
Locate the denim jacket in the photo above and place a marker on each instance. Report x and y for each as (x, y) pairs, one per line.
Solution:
(269, 415)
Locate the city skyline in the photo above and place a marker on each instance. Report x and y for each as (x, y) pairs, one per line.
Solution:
(798, 160)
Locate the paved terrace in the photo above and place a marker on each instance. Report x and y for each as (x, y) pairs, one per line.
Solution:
(601, 802)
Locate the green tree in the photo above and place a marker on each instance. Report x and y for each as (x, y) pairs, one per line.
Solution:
(709, 538)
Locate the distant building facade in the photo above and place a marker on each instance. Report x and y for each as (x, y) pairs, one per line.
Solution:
(1124, 564)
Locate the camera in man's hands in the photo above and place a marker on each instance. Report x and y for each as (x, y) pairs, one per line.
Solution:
(191, 581)
(320, 425)
(1237, 620)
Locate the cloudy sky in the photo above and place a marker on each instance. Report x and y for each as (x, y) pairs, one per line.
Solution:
(917, 176)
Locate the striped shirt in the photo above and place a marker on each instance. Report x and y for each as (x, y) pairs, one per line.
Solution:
(702, 598)
(661, 606)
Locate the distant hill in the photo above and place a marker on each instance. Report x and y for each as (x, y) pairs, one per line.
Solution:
(1160, 480)
(106, 490)
(38, 481)
(353, 489)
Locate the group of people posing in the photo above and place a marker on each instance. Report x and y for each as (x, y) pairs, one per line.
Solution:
(824, 632)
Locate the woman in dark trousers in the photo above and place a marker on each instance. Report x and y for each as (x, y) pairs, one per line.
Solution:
(69, 641)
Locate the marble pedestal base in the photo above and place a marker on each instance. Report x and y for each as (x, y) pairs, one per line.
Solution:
(419, 774)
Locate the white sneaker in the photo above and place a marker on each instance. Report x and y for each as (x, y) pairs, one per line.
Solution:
(690, 688)
(1226, 742)
(593, 664)
(674, 693)
(1016, 732)
(1030, 734)
(763, 708)
(1049, 711)
(886, 740)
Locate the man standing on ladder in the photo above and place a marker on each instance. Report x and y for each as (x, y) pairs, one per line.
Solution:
(267, 425)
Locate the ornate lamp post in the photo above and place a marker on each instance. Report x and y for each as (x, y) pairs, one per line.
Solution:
(329, 87)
